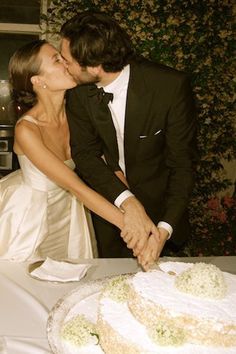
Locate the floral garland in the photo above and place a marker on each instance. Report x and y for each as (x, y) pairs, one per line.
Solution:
(194, 36)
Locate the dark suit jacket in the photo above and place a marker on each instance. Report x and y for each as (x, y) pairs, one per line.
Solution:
(158, 142)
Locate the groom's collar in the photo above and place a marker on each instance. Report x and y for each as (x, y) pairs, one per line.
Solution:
(119, 83)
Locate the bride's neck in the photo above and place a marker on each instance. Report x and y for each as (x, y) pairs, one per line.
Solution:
(51, 108)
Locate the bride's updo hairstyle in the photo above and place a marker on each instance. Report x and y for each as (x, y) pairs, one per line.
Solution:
(24, 64)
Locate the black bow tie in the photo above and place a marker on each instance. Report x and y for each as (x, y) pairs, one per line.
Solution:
(101, 95)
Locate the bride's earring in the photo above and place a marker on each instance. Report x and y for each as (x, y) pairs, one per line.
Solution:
(44, 86)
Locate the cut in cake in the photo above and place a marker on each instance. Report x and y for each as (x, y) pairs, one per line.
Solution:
(182, 308)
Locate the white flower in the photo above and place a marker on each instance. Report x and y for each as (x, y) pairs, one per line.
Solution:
(80, 331)
(166, 333)
(118, 288)
(202, 280)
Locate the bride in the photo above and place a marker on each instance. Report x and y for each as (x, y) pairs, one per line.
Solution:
(41, 204)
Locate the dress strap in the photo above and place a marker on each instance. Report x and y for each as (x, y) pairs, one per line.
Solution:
(29, 119)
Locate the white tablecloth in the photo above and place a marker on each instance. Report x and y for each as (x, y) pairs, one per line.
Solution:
(25, 302)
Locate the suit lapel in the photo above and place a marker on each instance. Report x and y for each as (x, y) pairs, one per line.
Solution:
(102, 119)
(134, 117)
(135, 113)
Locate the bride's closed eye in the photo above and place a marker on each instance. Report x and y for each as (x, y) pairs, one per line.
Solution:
(59, 59)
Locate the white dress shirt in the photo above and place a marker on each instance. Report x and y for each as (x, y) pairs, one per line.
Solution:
(117, 107)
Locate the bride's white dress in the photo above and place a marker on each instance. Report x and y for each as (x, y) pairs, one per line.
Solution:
(39, 219)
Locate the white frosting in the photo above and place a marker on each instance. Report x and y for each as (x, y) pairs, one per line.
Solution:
(176, 267)
(158, 287)
(87, 307)
(118, 316)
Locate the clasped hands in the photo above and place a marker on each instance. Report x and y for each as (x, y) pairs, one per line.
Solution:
(141, 234)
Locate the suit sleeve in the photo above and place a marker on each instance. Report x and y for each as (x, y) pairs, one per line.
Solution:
(181, 152)
(86, 148)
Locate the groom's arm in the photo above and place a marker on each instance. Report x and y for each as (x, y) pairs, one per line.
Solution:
(86, 148)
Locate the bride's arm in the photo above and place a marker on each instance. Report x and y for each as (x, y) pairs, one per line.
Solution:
(30, 143)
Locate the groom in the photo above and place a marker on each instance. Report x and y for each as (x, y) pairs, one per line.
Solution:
(134, 141)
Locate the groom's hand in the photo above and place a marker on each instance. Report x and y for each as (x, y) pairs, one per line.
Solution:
(153, 249)
(137, 225)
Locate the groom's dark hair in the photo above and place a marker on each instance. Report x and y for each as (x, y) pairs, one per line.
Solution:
(95, 38)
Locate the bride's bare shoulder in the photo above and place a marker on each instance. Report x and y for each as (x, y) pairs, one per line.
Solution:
(27, 118)
(26, 131)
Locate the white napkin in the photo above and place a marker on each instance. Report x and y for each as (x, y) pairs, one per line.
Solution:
(60, 271)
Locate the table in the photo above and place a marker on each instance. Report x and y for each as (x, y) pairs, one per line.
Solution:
(25, 303)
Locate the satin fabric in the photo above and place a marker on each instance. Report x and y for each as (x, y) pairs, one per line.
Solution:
(40, 219)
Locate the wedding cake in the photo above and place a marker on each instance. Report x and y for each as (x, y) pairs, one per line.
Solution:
(181, 308)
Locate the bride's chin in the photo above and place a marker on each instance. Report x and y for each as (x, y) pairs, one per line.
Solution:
(71, 85)
(74, 85)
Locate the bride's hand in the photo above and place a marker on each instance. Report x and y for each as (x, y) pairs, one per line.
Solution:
(149, 255)
(153, 250)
